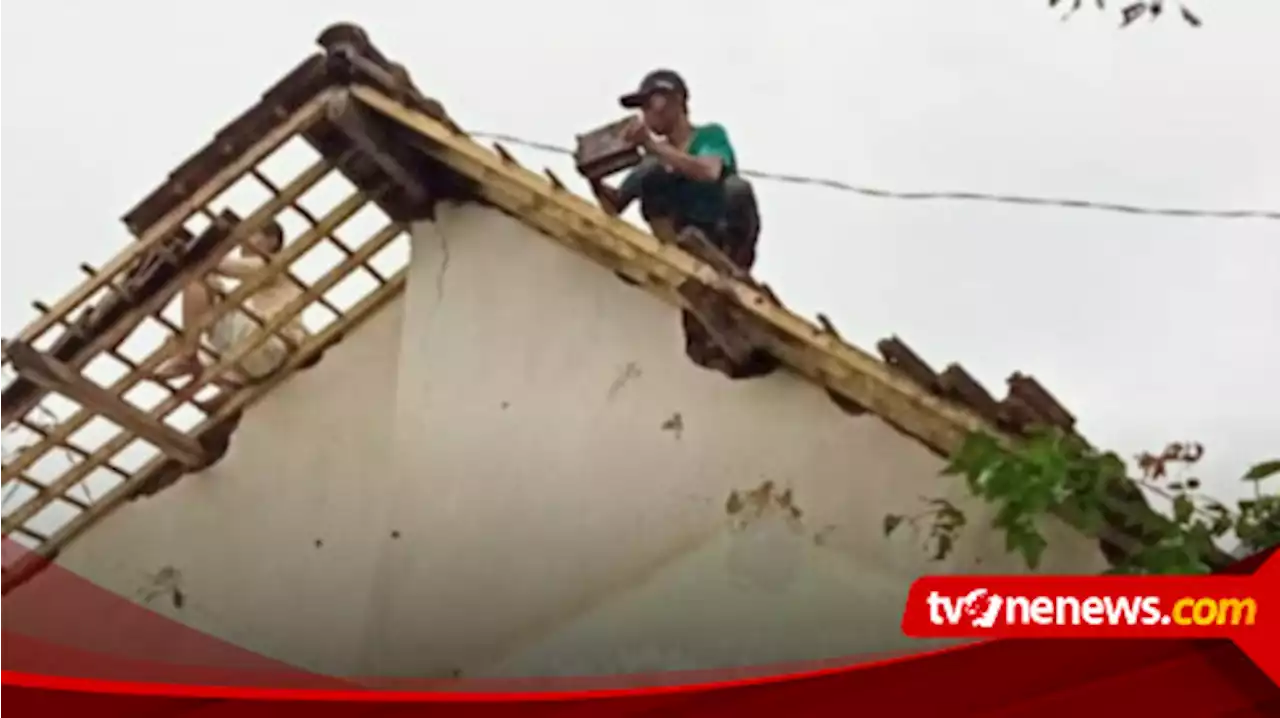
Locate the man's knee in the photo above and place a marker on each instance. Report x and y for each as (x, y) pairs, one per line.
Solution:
(739, 192)
(653, 187)
(740, 200)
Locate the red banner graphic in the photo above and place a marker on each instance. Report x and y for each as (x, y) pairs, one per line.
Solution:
(71, 647)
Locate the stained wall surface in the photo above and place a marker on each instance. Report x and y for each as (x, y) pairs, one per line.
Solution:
(552, 435)
(514, 470)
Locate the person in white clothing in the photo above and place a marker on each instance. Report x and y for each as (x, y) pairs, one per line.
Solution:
(237, 325)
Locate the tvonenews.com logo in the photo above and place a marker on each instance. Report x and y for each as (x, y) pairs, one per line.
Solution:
(980, 608)
(1239, 607)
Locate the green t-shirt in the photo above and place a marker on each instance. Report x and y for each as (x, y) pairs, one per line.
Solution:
(701, 203)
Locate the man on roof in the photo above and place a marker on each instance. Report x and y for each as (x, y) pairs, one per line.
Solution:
(236, 325)
(689, 175)
(688, 184)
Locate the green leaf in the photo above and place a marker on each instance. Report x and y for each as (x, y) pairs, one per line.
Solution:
(1033, 547)
(891, 522)
(1110, 466)
(1222, 518)
(1182, 509)
(976, 454)
(1091, 517)
(1004, 479)
(1264, 470)
(1024, 538)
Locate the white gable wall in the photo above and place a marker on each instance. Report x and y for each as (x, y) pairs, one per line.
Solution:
(534, 390)
(512, 421)
(239, 540)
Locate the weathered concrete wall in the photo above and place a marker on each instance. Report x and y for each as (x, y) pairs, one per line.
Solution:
(763, 591)
(514, 470)
(558, 454)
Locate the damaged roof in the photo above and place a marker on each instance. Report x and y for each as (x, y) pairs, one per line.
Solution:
(397, 149)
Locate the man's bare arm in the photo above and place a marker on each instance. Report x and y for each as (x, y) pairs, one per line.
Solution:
(705, 168)
(239, 268)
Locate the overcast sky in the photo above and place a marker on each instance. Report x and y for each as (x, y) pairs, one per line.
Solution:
(1149, 329)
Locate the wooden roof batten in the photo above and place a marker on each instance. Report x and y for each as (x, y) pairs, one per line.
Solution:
(402, 153)
(53, 375)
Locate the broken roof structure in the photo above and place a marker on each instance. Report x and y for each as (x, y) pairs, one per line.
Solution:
(369, 123)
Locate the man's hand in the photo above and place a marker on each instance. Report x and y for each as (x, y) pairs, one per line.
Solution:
(638, 134)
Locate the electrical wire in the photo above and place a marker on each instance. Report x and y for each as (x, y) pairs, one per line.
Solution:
(955, 196)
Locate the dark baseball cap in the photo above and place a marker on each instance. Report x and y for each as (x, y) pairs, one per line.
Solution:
(656, 81)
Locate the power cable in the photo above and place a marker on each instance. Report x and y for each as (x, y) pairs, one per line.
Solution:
(959, 196)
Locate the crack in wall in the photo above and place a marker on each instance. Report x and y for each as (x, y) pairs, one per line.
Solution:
(441, 272)
(444, 267)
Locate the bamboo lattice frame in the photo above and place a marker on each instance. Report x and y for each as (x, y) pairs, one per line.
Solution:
(364, 125)
(90, 437)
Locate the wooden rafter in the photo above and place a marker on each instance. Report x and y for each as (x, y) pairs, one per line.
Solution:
(56, 376)
(356, 124)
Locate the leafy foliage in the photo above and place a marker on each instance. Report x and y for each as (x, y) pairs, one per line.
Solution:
(1053, 472)
(1131, 12)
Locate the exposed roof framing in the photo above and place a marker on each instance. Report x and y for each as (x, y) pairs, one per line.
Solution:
(92, 438)
(367, 127)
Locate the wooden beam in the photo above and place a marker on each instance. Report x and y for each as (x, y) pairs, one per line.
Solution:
(53, 375)
(344, 113)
